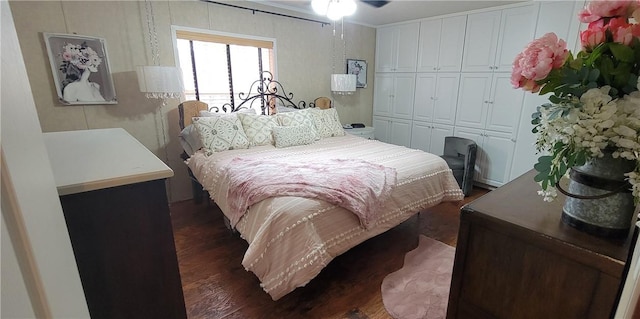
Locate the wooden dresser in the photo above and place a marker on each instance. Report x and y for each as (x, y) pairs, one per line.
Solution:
(516, 259)
(114, 200)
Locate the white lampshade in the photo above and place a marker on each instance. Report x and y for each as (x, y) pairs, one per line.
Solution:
(343, 83)
(160, 81)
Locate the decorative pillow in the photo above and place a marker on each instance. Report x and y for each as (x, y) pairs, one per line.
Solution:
(286, 136)
(302, 117)
(258, 128)
(220, 133)
(190, 139)
(284, 109)
(205, 113)
(327, 122)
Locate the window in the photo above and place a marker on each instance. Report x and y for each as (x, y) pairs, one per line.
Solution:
(217, 68)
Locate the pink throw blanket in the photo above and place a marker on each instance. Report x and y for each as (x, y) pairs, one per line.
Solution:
(356, 185)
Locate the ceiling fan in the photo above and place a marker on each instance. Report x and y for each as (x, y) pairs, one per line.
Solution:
(376, 3)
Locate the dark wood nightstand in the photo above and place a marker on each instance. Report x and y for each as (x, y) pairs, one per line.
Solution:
(516, 259)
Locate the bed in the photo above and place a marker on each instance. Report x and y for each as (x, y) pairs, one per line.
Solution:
(299, 205)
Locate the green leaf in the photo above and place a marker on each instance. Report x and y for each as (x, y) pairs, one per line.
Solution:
(555, 99)
(621, 52)
(593, 75)
(540, 177)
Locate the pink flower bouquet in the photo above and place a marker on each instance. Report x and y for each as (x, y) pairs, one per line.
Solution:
(594, 96)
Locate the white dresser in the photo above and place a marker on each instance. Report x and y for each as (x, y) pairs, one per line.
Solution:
(366, 132)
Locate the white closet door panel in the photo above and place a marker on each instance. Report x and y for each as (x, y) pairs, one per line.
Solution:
(382, 129)
(382, 96)
(524, 154)
(473, 98)
(421, 135)
(402, 97)
(429, 45)
(517, 28)
(424, 97)
(446, 98)
(505, 105)
(480, 40)
(561, 18)
(385, 48)
(498, 156)
(407, 47)
(438, 133)
(400, 132)
(452, 44)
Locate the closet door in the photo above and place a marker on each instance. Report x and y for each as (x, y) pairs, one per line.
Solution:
(452, 44)
(406, 49)
(438, 133)
(505, 105)
(517, 27)
(429, 45)
(383, 94)
(385, 49)
(473, 98)
(424, 97)
(446, 98)
(403, 94)
(480, 41)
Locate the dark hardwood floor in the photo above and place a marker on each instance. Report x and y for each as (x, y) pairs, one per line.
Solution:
(216, 285)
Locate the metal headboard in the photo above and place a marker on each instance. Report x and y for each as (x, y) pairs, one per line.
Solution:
(261, 93)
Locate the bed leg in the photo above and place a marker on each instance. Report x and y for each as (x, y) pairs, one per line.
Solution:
(227, 224)
(197, 192)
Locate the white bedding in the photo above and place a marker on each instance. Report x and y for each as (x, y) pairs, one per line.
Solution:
(292, 238)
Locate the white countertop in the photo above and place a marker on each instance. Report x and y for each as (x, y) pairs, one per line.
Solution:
(88, 160)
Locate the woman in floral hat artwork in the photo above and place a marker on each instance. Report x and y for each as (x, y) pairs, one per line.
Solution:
(78, 62)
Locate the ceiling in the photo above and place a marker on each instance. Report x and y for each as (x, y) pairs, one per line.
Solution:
(395, 11)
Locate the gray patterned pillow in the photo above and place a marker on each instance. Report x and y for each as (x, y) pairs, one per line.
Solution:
(258, 128)
(302, 117)
(286, 136)
(221, 133)
(327, 122)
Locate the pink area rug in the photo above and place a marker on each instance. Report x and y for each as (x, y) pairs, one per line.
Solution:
(420, 289)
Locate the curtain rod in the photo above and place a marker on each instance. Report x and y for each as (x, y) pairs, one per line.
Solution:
(267, 12)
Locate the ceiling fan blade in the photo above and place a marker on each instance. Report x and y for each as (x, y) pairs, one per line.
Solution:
(376, 3)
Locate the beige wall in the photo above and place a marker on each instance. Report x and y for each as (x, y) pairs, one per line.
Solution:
(304, 58)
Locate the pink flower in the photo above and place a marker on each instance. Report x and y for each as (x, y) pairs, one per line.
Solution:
(537, 60)
(592, 36)
(599, 9)
(621, 30)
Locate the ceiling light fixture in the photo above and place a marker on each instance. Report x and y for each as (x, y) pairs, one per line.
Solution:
(334, 9)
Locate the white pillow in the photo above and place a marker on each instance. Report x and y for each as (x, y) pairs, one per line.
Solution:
(258, 128)
(327, 122)
(285, 136)
(302, 117)
(285, 109)
(190, 139)
(205, 113)
(221, 133)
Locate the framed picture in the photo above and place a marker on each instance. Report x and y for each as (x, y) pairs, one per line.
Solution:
(80, 69)
(359, 68)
